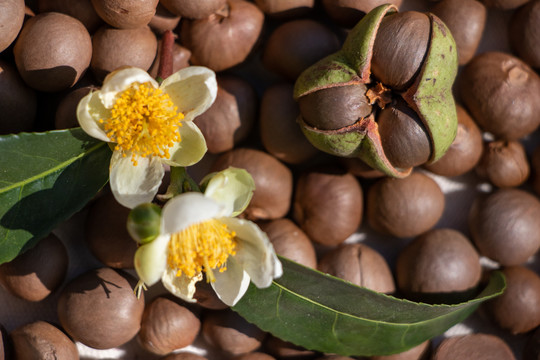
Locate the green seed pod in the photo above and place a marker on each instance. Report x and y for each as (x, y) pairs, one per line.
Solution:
(144, 222)
(389, 59)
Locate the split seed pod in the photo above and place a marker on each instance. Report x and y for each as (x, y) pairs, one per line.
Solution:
(340, 98)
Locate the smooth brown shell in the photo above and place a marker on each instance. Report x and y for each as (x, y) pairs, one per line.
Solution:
(359, 264)
(465, 151)
(183, 356)
(405, 140)
(17, 101)
(41, 340)
(254, 356)
(399, 49)
(328, 205)
(466, 20)
(273, 182)
(280, 134)
(126, 14)
(336, 107)
(52, 51)
(230, 333)
(82, 10)
(100, 309)
(524, 33)
(66, 112)
(231, 117)
(502, 94)
(438, 261)
(38, 272)
(473, 346)
(167, 326)
(285, 8)
(348, 13)
(290, 241)
(223, 40)
(295, 45)
(504, 164)
(504, 225)
(504, 4)
(114, 48)
(517, 308)
(11, 18)
(163, 20)
(106, 234)
(404, 207)
(190, 9)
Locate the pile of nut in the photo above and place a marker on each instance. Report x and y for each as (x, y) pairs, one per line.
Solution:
(398, 235)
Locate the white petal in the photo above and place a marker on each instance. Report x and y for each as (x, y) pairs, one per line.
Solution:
(231, 284)
(133, 185)
(181, 286)
(231, 187)
(254, 252)
(190, 149)
(192, 90)
(89, 111)
(188, 209)
(120, 80)
(151, 260)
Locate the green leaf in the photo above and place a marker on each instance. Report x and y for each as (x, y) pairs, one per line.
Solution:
(323, 313)
(44, 179)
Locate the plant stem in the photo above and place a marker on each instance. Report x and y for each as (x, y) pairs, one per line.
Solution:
(180, 183)
(165, 68)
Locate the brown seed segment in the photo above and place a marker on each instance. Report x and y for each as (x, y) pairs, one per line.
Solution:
(399, 48)
(474, 346)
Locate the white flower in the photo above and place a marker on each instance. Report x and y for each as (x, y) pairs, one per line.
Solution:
(199, 234)
(149, 125)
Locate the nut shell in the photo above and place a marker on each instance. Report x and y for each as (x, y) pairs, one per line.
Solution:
(41, 340)
(190, 9)
(504, 226)
(100, 309)
(404, 207)
(524, 33)
(126, 14)
(473, 346)
(504, 164)
(11, 18)
(52, 51)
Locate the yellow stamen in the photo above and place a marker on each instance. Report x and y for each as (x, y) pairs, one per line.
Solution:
(143, 122)
(201, 247)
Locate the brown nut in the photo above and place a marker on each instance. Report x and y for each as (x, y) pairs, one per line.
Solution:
(524, 33)
(347, 13)
(502, 94)
(404, 207)
(280, 134)
(231, 117)
(419, 352)
(504, 4)
(517, 308)
(504, 164)
(114, 48)
(52, 51)
(224, 39)
(82, 10)
(38, 272)
(297, 44)
(66, 112)
(254, 356)
(328, 205)
(473, 346)
(285, 9)
(396, 62)
(100, 309)
(126, 14)
(11, 18)
(107, 235)
(207, 297)
(465, 151)
(361, 265)
(183, 356)
(438, 261)
(290, 241)
(466, 20)
(504, 225)
(404, 137)
(163, 20)
(230, 333)
(41, 340)
(189, 9)
(17, 101)
(531, 351)
(273, 182)
(167, 326)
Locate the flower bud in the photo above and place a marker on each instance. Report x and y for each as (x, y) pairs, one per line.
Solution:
(143, 223)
